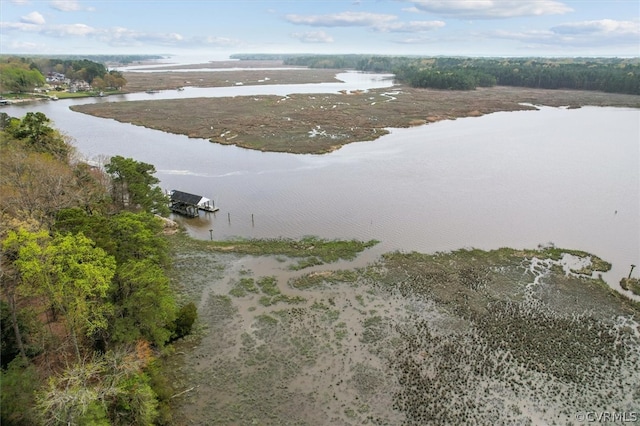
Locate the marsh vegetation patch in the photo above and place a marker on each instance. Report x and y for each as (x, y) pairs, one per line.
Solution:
(462, 337)
(321, 123)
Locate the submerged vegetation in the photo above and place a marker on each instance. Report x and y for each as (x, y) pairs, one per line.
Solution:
(309, 250)
(475, 337)
(305, 252)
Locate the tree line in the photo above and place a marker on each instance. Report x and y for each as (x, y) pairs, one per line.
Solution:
(606, 75)
(614, 75)
(87, 306)
(24, 74)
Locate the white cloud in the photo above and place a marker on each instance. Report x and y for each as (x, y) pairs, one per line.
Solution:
(33, 18)
(115, 36)
(599, 27)
(375, 21)
(411, 9)
(119, 36)
(489, 9)
(344, 19)
(66, 5)
(70, 30)
(533, 35)
(579, 34)
(313, 37)
(410, 27)
(220, 41)
(24, 46)
(69, 5)
(20, 1)
(19, 26)
(416, 40)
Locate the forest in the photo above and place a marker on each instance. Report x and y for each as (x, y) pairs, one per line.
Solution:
(87, 306)
(19, 75)
(614, 75)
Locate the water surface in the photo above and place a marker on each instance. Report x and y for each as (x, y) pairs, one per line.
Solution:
(516, 179)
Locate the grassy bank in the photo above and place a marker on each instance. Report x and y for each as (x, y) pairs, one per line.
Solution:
(505, 336)
(308, 251)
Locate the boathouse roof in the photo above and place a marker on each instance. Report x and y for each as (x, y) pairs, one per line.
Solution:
(185, 197)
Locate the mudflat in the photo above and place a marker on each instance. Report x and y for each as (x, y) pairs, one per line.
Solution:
(468, 337)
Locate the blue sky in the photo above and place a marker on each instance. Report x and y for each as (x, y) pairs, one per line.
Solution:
(217, 28)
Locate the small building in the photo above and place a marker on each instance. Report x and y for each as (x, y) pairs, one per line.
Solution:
(189, 204)
(184, 203)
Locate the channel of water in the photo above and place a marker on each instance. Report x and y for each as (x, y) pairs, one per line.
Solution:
(570, 177)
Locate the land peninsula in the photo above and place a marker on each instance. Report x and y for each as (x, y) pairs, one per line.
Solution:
(317, 123)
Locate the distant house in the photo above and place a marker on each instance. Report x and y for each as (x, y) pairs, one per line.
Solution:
(189, 204)
(57, 79)
(79, 86)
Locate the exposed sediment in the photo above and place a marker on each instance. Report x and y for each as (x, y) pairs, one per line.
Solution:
(466, 337)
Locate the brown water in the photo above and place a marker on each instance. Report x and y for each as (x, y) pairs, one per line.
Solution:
(517, 179)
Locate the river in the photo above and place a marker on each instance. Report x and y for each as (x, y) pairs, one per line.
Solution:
(570, 177)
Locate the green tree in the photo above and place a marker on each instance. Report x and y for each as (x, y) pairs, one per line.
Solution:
(18, 385)
(184, 320)
(137, 236)
(18, 77)
(35, 130)
(114, 80)
(19, 328)
(70, 273)
(134, 187)
(126, 236)
(144, 304)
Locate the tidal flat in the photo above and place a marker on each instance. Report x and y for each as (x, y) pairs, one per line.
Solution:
(466, 337)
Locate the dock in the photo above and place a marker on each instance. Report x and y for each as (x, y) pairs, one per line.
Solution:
(190, 204)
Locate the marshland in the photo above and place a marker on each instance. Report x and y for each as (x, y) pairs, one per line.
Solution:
(503, 337)
(404, 308)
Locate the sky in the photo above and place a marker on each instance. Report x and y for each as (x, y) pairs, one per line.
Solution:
(217, 28)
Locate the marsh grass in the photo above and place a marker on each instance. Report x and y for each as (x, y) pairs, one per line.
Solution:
(315, 280)
(284, 126)
(326, 313)
(312, 250)
(306, 263)
(632, 284)
(244, 286)
(268, 286)
(450, 338)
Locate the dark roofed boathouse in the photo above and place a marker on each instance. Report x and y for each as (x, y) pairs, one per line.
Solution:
(184, 203)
